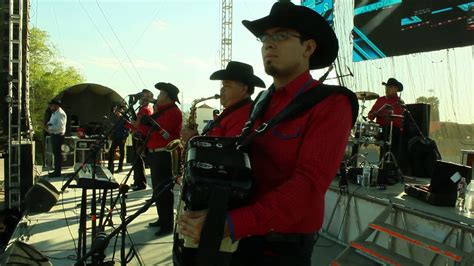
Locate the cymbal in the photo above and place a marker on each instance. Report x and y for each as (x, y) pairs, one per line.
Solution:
(366, 95)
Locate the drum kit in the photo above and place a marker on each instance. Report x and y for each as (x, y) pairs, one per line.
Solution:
(362, 155)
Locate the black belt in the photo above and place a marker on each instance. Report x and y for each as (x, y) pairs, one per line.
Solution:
(57, 134)
(289, 238)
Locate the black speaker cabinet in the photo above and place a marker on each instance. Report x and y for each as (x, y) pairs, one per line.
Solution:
(40, 198)
(26, 171)
(417, 114)
(420, 112)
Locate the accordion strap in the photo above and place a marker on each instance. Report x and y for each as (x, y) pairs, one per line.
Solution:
(213, 228)
(302, 102)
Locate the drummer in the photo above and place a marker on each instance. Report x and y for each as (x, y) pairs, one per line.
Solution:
(386, 109)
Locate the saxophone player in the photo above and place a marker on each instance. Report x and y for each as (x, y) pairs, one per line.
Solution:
(168, 116)
(139, 180)
(238, 84)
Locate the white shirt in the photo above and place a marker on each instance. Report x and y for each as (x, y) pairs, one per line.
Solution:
(57, 122)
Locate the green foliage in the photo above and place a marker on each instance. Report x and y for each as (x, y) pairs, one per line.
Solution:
(48, 76)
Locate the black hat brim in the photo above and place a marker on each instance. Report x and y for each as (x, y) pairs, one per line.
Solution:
(309, 24)
(228, 75)
(162, 86)
(398, 85)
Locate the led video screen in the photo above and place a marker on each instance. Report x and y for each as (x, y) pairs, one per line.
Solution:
(323, 7)
(394, 27)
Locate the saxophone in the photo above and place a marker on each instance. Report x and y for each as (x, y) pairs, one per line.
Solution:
(191, 121)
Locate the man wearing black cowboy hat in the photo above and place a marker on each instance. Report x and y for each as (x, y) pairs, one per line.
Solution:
(295, 161)
(168, 116)
(56, 127)
(238, 83)
(388, 109)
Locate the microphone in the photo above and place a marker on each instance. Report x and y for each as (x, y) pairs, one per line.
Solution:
(151, 122)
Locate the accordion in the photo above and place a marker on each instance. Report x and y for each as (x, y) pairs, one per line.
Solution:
(215, 162)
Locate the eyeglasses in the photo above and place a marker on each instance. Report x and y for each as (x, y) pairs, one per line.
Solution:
(277, 37)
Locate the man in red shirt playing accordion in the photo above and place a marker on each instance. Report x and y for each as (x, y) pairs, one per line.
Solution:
(295, 161)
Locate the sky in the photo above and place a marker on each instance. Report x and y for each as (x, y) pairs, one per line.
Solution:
(130, 45)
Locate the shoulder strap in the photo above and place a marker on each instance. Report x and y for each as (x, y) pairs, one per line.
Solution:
(260, 105)
(226, 113)
(297, 106)
(160, 112)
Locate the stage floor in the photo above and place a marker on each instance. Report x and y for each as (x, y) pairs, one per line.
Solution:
(55, 233)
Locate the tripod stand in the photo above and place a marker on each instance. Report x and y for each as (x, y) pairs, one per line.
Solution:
(95, 149)
(100, 243)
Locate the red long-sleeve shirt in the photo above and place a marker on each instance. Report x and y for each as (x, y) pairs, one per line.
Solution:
(144, 110)
(231, 125)
(294, 163)
(380, 117)
(170, 121)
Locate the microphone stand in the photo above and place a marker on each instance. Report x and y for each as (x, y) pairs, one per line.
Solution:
(100, 244)
(108, 219)
(98, 145)
(95, 148)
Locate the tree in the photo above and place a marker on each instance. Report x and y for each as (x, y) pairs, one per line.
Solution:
(434, 103)
(48, 76)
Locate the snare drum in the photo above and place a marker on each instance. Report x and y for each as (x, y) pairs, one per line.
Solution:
(370, 129)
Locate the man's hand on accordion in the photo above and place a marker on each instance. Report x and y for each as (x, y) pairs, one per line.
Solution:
(191, 223)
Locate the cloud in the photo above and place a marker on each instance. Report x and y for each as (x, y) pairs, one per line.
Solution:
(159, 25)
(145, 64)
(200, 63)
(112, 63)
(70, 62)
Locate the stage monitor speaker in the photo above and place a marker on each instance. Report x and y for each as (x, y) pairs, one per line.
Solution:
(20, 253)
(9, 219)
(446, 176)
(41, 197)
(27, 152)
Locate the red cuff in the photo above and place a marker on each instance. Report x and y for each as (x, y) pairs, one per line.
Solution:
(243, 221)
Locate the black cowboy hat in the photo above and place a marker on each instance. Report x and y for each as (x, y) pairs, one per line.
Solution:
(241, 72)
(54, 101)
(308, 23)
(170, 89)
(394, 82)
